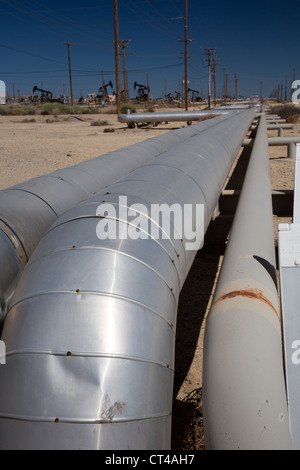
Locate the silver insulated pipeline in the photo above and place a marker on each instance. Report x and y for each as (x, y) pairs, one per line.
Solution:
(27, 210)
(90, 333)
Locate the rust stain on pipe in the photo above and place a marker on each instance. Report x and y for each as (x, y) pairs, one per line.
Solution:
(255, 294)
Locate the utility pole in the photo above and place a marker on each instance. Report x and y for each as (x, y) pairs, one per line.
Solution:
(224, 95)
(147, 89)
(117, 62)
(165, 90)
(124, 46)
(209, 52)
(70, 73)
(215, 63)
(186, 40)
(227, 89)
(102, 84)
(185, 58)
(236, 85)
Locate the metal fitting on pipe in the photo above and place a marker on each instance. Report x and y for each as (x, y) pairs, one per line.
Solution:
(244, 395)
(90, 334)
(27, 210)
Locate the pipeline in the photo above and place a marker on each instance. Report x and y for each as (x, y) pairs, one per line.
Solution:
(189, 116)
(132, 119)
(90, 333)
(244, 395)
(28, 210)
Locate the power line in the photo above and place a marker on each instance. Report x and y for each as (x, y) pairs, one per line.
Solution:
(30, 14)
(151, 20)
(39, 56)
(30, 54)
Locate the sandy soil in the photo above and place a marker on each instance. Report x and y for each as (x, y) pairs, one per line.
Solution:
(29, 149)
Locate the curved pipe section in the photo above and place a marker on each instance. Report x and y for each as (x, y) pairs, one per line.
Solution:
(244, 395)
(90, 333)
(28, 210)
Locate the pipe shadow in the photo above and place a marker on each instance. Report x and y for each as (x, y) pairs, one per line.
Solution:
(187, 429)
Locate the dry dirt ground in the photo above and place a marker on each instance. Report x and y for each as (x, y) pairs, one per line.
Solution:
(34, 145)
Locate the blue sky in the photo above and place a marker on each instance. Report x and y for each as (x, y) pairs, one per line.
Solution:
(258, 40)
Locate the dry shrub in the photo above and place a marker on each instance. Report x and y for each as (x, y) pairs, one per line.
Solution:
(285, 111)
(28, 120)
(100, 122)
(293, 119)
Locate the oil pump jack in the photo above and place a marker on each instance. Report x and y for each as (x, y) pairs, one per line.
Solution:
(177, 95)
(195, 95)
(46, 96)
(143, 91)
(103, 93)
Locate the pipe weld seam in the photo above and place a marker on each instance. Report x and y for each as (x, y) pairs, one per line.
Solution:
(33, 194)
(103, 294)
(83, 420)
(71, 182)
(19, 247)
(112, 250)
(59, 224)
(182, 171)
(127, 357)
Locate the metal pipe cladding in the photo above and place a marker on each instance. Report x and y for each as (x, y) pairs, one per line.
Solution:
(27, 210)
(90, 333)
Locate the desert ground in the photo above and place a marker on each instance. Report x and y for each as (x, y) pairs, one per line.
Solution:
(31, 146)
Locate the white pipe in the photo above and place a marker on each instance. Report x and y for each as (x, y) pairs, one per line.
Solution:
(244, 395)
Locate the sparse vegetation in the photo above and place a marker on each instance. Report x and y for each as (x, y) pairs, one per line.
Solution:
(286, 111)
(28, 120)
(100, 122)
(55, 109)
(128, 107)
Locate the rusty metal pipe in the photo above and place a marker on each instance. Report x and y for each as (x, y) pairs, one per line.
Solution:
(244, 395)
